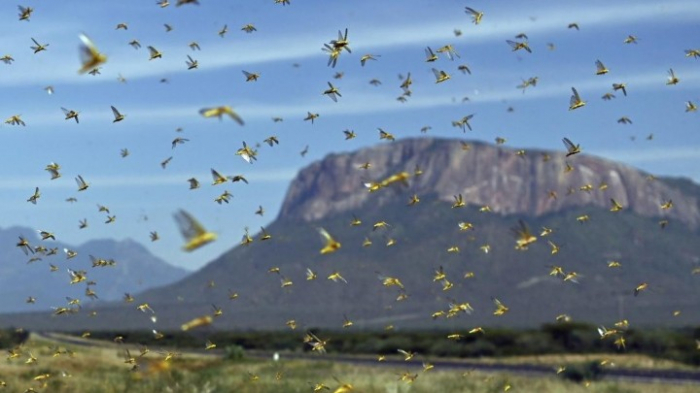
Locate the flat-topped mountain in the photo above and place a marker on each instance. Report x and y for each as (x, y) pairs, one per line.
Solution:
(485, 174)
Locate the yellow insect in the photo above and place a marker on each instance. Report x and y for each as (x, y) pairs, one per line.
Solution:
(407, 355)
(390, 281)
(224, 197)
(519, 45)
(246, 240)
(342, 42)
(154, 53)
(366, 57)
(616, 207)
(385, 135)
(311, 116)
(25, 246)
(90, 57)
(191, 63)
(575, 102)
(523, 236)
(34, 196)
(247, 154)
(82, 184)
(249, 28)
(619, 86)
(70, 114)
(197, 322)
(193, 232)
(672, 78)
(333, 53)
(449, 50)
(38, 47)
(331, 245)
(641, 287)
(440, 76)
(25, 12)
(316, 343)
(430, 56)
(264, 235)
(251, 76)
(555, 248)
(332, 92)
(571, 276)
(571, 149)
(695, 53)
(335, 277)
(218, 178)
(310, 275)
(220, 111)
(346, 322)
(15, 120)
(500, 307)
(117, 116)
(630, 39)
(600, 68)
(476, 15)
(285, 282)
(667, 205)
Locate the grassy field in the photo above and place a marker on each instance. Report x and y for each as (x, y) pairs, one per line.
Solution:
(103, 369)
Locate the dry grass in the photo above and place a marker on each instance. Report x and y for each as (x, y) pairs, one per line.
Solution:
(103, 370)
(619, 360)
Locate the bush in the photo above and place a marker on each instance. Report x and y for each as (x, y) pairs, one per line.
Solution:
(234, 352)
(583, 372)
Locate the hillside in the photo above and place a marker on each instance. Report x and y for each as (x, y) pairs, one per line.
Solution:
(328, 193)
(135, 270)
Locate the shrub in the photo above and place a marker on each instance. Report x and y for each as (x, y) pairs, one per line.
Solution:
(583, 372)
(234, 352)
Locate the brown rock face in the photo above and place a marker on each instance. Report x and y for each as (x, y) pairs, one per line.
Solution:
(485, 175)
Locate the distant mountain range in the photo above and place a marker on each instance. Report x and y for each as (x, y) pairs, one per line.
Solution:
(21, 277)
(499, 187)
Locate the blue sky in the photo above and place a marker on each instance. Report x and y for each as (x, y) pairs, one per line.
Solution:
(136, 187)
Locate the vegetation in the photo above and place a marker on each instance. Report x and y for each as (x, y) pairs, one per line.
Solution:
(103, 369)
(558, 338)
(12, 337)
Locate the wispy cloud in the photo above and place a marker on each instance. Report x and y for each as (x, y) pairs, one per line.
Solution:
(363, 102)
(653, 155)
(369, 37)
(263, 176)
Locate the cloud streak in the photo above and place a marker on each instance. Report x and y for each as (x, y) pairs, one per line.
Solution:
(645, 156)
(369, 37)
(262, 176)
(361, 102)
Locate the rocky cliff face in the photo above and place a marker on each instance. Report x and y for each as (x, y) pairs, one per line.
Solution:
(485, 175)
